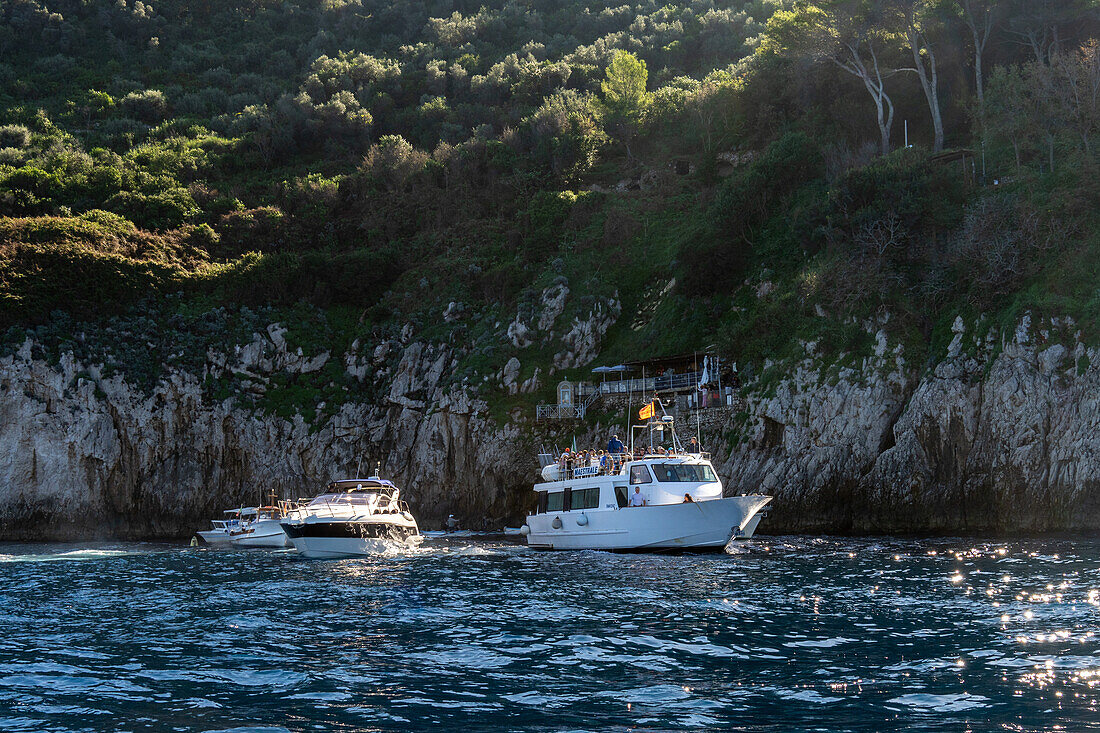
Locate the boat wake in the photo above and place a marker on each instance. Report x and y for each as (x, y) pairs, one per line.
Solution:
(89, 554)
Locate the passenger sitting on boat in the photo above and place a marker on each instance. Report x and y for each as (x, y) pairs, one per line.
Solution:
(693, 446)
(636, 499)
(688, 499)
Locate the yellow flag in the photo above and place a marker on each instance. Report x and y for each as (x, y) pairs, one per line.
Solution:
(647, 412)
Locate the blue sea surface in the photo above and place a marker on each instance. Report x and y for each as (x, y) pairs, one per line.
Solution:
(475, 634)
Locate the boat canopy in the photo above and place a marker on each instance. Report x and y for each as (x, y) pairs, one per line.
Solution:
(360, 484)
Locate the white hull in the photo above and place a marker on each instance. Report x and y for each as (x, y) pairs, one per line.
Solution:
(696, 526)
(262, 533)
(327, 548)
(215, 536)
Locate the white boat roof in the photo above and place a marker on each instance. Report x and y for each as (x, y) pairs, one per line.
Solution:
(362, 484)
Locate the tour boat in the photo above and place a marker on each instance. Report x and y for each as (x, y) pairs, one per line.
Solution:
(261, 527)
(584, 508)
(353, 517)
(223, 529)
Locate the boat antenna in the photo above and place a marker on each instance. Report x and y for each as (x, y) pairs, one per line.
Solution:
(629, 407)
(698, 407)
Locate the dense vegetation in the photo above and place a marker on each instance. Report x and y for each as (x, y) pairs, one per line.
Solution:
(364, 163)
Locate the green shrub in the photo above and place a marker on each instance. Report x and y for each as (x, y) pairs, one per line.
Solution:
(14, 136)
(149, 106)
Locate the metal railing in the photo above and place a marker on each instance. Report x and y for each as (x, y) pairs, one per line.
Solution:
(559, 412)
(617, 464)
(667, 383)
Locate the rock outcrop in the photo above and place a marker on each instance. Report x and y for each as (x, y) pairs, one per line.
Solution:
(994, 438)
(91, 456)
(1001, 435)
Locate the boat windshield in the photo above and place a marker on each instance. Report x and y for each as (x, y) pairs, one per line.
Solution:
(358, 498)
(684, 472)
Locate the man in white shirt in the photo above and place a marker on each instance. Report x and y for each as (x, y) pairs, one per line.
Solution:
(636, 499)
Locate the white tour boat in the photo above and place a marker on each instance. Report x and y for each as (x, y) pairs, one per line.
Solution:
(353, 517)
(223, 529)
(682, 507)
(261, 527)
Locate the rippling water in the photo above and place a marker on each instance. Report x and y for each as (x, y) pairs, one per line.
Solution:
(467, 634)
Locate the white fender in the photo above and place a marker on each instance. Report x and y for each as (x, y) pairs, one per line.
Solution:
(582, 520)
(525, 530)
(556, 524)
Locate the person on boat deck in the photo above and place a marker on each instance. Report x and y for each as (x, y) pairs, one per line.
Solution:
(615, 445)
(693, 446)
(636, 499)
(688, 499)
(565, 460)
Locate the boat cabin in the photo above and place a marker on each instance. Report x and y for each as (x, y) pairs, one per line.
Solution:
(659, 479)
(365, 496)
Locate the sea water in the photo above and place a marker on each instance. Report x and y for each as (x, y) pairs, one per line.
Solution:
(780, 634)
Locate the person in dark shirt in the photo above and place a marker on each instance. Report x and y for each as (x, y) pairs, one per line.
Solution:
(615, 445)
(693, 446)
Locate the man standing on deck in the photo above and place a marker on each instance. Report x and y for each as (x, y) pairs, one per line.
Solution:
(693, 446)
(615, 446)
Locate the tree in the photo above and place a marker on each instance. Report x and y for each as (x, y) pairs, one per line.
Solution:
(1004, 116)
(916, 16)
(851, 34)
(1040, 24)
(980, 17)
(624, 89)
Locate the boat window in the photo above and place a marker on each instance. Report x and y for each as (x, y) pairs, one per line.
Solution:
(684, 472)
(566, 501)
(554, 501)
(542, 503)
(585, 499)
(640, 475)
(620, 496)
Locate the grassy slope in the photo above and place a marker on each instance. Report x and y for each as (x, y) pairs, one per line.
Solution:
(185, 279)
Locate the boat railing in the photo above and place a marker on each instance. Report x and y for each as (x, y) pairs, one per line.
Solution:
(339, 507)
(613, 467)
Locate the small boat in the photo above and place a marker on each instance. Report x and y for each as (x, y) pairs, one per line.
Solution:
(353, 517)
(261, 527)
(661, 501)
(223, 529)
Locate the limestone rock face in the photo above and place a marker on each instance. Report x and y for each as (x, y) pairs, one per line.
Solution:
(987, 441)
(84, 456)
(519, 333)
(1001, 435)
(510, 374)
(582, 341)
(553, 305)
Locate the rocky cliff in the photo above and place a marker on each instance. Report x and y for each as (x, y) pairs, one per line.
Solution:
(1000, 435)
(88, 456)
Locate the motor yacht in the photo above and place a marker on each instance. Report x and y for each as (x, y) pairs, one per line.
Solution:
(667, 500)
(353, 517)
